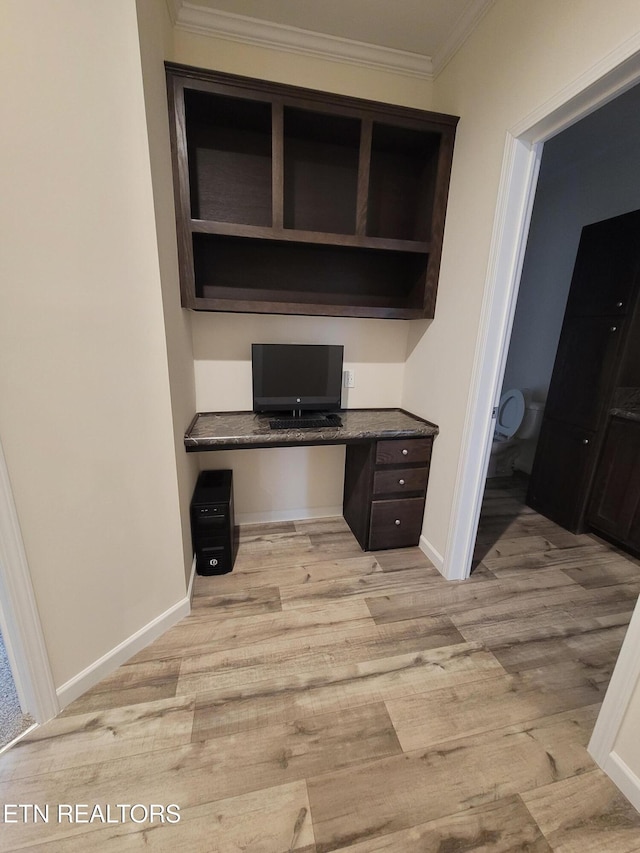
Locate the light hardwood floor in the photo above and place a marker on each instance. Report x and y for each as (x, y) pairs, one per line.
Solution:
(319, 699)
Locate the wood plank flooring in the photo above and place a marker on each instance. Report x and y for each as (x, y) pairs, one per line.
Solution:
(320, 699)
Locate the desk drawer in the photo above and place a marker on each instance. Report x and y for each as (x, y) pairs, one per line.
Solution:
(401, 451)
(395, 523)
(400, 480)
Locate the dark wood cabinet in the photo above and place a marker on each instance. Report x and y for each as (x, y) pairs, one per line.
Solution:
(559, 483)
(606, 268)
(384, 491)
(614, 508)
(584, 370)
(295, 201)
(595, 351)
(395, 523)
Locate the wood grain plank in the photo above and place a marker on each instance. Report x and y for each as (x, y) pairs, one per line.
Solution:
(200, 634)
(273, 819)
(130, 684)
(335, 687)
(68, 742)
(377, 583)
(537, 642)
(555, 558)
(288, 659)
(253, 576)
(395, 559)
(458, 598)
(204, 772)
(319, 526)
(585, 814)
(543, 602)
(597, 574)
(500, 827)
(250, 531)
(514, 547)
(395, 793)
(247, 602)
(454, 712)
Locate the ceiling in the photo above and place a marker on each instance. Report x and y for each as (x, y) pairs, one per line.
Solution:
(418, 36)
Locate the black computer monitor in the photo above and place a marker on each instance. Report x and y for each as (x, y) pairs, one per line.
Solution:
(297, 377)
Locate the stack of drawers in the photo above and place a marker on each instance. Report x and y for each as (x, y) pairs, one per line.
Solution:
(384, 491)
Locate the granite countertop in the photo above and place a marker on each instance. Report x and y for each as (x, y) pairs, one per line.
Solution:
(248, 429)
(626, 404)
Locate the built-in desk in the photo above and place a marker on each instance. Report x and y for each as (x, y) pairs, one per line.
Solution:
(386, 467)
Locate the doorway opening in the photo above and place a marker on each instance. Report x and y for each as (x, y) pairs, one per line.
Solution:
(589, 173)
(521, 164)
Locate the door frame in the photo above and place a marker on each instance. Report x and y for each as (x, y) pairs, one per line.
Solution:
(524, 142)
(19, 617)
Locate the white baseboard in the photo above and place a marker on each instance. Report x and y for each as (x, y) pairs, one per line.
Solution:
(288, 514)
(109, 662)
(624, 778)
(432, 554)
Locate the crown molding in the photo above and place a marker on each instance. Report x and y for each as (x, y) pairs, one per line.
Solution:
(239, 28)
(173, 7)
(465, 25)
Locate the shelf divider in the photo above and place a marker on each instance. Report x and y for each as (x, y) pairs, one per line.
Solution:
(362, 202)
(277, 166)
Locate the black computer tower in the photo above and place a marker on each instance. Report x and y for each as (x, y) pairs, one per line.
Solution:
(213, 530)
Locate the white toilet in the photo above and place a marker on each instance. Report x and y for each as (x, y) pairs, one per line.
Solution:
(518, 419)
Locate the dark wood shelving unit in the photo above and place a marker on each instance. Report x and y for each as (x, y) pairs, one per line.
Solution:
(598, 353)
(295, 201)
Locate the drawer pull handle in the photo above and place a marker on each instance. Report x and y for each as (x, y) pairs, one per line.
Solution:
(585, 441)
(401, 482)
(614, 328)
(398, 521)
(618, 304)
(405, 451)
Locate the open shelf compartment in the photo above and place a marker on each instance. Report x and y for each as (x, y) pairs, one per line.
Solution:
(229, 152)
(321, 157)
(248, 270)
(402, 180)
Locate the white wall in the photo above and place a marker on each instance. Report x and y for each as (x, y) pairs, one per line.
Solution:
(305, 482)
(590, 172)
(85, 413)
(156, 34)
(277, 484)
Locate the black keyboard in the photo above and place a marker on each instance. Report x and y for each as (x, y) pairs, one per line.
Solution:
(306, 423)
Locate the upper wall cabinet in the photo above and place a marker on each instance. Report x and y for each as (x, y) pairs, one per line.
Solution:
(291, 201)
